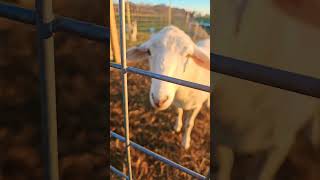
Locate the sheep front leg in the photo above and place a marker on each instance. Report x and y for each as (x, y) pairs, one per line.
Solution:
(188, 128)
(275, 158)
(178, 125)
(225, 159)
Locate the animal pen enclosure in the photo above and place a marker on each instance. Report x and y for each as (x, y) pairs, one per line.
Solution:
(229, 66)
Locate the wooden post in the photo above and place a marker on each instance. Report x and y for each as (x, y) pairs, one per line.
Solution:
(128, 12)
(132, 26)
(169, 13)
(114, 34)
(187, 20)
(111, 52)
(196, 31)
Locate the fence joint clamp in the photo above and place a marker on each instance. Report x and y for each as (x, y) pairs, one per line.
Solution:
(124, 70)
(46, 30)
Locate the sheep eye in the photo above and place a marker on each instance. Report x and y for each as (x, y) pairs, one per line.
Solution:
(149, 52)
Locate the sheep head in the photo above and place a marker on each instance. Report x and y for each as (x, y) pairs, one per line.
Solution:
(168, 52)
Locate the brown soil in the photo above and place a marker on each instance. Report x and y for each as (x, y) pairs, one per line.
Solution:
(154, 130)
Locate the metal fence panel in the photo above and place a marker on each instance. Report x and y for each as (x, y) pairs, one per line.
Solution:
(159, 157)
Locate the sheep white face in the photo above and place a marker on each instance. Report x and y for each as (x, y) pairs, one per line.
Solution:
(168, 51)
(164, 61)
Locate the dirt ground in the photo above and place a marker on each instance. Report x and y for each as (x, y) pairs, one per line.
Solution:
(154, 130)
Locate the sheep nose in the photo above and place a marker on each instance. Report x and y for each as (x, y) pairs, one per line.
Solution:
(159, 102)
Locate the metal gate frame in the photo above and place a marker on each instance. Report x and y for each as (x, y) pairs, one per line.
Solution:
(47, 24)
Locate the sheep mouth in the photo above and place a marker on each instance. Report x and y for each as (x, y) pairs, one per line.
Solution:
(163, 106)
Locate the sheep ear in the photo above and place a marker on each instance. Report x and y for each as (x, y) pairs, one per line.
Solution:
(138, 53)
(200, 57)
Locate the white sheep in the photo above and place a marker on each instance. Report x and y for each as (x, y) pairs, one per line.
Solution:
(171, 52)
(256, 122)
(252, 118)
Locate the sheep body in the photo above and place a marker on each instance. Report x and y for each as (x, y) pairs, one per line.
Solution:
(248, 121)
(251, 118)
(189, 98)
(171, 52)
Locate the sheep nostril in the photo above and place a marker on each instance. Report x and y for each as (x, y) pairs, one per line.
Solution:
(157, 104)
(152, 97)
(162, 101)
(154, 100)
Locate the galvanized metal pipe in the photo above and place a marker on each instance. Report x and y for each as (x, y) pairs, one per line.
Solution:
(289, 81)
(159, 157)
(17, 13)
(44, 16)
(83, 29)
(125, 83)
(162, 77)
(59, 24)
(117, 172)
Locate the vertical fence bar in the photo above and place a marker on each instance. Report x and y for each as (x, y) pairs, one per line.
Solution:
(44, 16)
(122, 16)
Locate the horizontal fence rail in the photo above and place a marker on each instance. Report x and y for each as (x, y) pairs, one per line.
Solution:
(265, 75)
(119, 173)
(162, 77)
(158, 157)
(59, 24)
(17, 13)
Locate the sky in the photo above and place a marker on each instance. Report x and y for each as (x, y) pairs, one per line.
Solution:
(202, 6)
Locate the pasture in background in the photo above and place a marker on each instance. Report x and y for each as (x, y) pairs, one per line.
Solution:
(144, 19)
